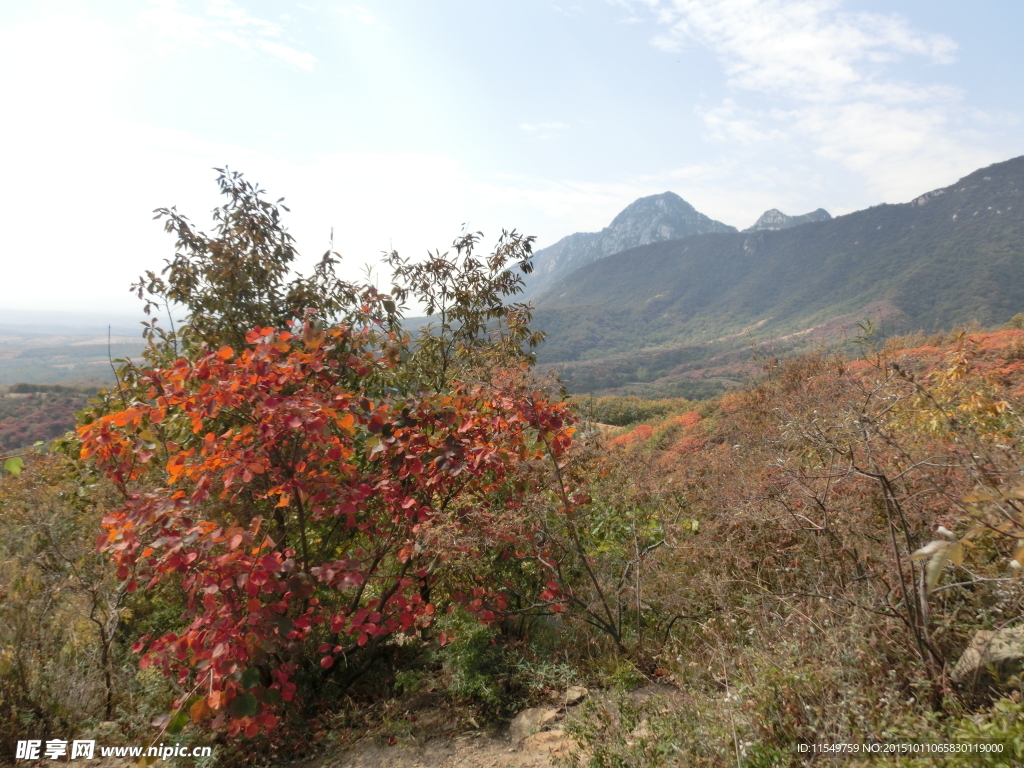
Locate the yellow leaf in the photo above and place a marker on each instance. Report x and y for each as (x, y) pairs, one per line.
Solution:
(956, 553)
(973, 532)
(975, 497)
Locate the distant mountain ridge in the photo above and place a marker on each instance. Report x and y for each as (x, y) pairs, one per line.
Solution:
(951, 256)
(775, 219)
(652, 219)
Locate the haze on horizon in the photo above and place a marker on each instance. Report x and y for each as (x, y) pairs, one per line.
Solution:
(396, 123)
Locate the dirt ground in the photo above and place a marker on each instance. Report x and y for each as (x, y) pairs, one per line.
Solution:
(478, 751)
(545, 748)
(435, 745)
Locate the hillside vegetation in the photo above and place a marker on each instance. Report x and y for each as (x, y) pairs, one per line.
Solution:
(292, 528)
(40, 412)
(771, 541)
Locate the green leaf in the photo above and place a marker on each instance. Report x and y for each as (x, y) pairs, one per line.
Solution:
(271, 696)
(179, 721)
(243, 706)
(250, 678)
(14, 465)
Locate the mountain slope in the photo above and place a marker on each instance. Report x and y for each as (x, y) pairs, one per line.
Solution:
(776, 219)
(950, 256)
(647, 220)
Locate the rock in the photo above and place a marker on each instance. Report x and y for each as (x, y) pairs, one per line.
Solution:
(529, 721)
(551, 743)
(651, 219)
(991, 658)
(573, 695)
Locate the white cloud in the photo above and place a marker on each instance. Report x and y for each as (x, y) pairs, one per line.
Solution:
(810, 79)
(357, 12)
(808, 49)
(730, 123)
(298, 59)
(225, 22)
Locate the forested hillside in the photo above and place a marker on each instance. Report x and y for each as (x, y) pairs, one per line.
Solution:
(951, 256)
(32, 412)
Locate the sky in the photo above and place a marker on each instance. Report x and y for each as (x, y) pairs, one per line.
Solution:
(394, 124)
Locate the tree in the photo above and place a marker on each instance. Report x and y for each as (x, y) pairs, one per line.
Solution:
(316, 486)
(238, 278)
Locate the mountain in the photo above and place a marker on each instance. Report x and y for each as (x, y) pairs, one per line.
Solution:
(648, 220)
(658, 314)
(776, 219)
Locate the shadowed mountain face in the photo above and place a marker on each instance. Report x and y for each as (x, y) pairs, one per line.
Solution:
(648, 220)
(951, 256)
(776, 219)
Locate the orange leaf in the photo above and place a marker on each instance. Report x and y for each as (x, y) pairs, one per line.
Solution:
(199, 710)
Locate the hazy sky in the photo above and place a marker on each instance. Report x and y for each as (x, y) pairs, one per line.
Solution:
(396, 122)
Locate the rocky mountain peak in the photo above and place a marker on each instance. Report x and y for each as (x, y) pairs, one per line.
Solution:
(775, 219)
(651, 219)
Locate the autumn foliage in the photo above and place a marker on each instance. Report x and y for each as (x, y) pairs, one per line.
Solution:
(299, 498)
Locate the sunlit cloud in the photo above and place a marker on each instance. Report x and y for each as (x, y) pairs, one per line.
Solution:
(804, 49)
(807, 77)
(224, 22)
